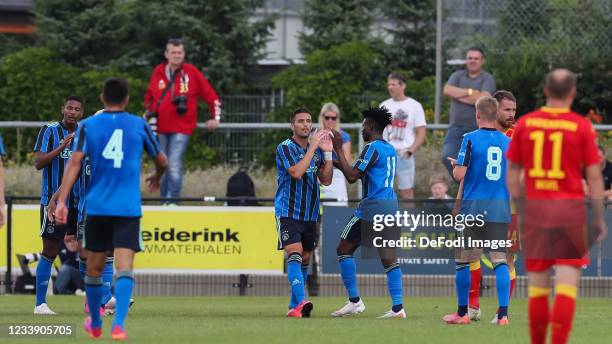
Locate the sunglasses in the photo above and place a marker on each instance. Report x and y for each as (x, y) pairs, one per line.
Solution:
(330, 118)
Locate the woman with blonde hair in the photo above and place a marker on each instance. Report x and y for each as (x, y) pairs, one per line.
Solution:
(329, 118)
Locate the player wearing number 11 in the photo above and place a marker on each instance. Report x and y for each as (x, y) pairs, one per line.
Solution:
(113, 141)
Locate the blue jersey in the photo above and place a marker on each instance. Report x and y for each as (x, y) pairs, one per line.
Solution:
(377, 165)
(83, 184)
(297, 199)
(49, 138)
(483, 152)
(2, 150)
(114, 142)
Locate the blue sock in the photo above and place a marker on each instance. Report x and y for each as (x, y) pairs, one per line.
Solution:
(394, 284)
(305, 273)
(94, 292)
(43, 273)
(348, 271)
(293, 301)
(295, 277)
(123, 293)
(107, 279)
(462, 283)
(502, 283)
(83, 267)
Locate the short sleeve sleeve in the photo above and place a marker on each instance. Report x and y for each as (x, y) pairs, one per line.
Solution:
(514, 150)
(151, 145)
(366, 159)
(345, 137)
(42, 140)
(2, 149)
(285, 156)
(419, 116)
(465, 152)
(489, 84)
(453, 80)
(79, 143)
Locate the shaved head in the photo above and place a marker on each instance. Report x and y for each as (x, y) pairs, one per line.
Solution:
(560, 84)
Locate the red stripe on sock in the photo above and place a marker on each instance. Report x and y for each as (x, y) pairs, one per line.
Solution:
(512, 283)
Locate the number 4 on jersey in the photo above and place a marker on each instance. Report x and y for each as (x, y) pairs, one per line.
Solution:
(114, 148)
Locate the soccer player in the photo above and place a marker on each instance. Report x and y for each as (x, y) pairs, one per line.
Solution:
(506, 117)
(300, 163)
(113, 141)
(553, 147)
(481, 167)
(376, 169)
(51, 153)
(107, 275)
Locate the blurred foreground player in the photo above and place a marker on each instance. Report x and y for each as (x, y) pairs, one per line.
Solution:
(113, 141)
(300, 163)
(376, 169)
(554, 146)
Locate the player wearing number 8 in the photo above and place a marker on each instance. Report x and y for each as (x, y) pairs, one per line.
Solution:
(113, 141)
(481, 165)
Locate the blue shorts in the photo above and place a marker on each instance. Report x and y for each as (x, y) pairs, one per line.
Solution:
(106, 233)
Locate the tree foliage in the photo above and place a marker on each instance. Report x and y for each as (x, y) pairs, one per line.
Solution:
(219, 35)
(331, 23)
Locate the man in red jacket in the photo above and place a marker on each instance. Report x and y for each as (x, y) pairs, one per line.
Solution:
(172, 96)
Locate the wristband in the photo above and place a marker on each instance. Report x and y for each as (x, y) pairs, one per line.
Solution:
(328, 156)
(470, 92)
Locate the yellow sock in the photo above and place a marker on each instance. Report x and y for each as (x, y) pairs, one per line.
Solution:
(475, 265)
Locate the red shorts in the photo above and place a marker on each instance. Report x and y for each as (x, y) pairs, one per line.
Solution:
(555, 230)
(538, 265)
(513, 235)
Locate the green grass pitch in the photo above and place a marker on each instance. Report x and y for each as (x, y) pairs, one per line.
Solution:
(261, 320)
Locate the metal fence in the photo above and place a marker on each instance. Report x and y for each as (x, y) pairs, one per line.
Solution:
(556, 27)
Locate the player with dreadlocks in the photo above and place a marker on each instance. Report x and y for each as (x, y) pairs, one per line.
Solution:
(376, 169)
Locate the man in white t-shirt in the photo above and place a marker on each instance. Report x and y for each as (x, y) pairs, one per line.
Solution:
(406, 132)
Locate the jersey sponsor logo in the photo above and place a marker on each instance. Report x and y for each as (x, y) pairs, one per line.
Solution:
(66, 154)
(544, 123)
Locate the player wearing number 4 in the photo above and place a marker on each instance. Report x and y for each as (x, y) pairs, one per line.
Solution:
(113, 141)
(376, 169)
(481, 165)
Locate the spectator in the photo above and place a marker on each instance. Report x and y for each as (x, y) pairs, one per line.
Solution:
(329, 118)
(68, 278)
(464, 87)
(172, 97)
(606, 170)
(406, 133)
(439, 184)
